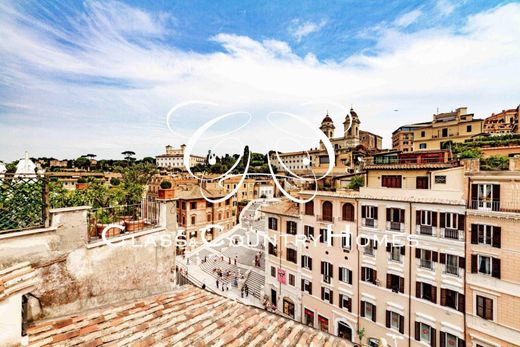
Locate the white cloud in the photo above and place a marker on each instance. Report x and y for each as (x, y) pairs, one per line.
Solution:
(408, 18)
(445, 7)
(299, 30)
(127, 87)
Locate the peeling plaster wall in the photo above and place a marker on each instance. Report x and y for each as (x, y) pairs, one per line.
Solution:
(74, 277)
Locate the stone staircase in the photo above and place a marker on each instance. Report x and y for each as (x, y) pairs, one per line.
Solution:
(210, 265)
(255, 282)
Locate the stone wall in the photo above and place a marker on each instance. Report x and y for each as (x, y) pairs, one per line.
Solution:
(74, 275)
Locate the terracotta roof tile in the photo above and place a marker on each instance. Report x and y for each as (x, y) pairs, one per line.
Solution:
(188, 316)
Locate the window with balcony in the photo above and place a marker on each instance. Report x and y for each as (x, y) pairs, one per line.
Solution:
(485, 265)
(368, 275)
(273, 223)
(426, 221)
(452, 225)
(426, 291)
(485, 197)
(308, 231)
(306, 286)
(309, 208)
(395, 283)
(395, 218)
(306, 262)
(368, 310)
(345, 302)
(484, 307)
(391, 181)
(426, 258)
(326, 211)
(292, 255)
(486, 235)
(369, 246)
(291, 227)
(395, 321)
(452, 299)
(369, 216)
(327, 295)
(345, 275)
(326, 271)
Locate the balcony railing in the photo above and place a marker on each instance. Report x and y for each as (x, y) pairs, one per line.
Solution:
(369, 222)
(117, 220)
(330, 219)
(452, 234)
(395, 226)
(24, 202)
(425, 230)
(498, 206)
(413, 160)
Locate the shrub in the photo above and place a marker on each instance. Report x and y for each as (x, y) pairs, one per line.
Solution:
(356, 182)
(115, 181)
(82, 180)
(495, 162)
(166, 185)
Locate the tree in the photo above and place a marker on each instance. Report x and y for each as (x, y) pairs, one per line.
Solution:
(149, 160)
(129, 155)
(82, 163)
(90, 156)
(356, 182)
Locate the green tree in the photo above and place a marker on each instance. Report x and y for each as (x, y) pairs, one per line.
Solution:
(82, 163)
(356, 182)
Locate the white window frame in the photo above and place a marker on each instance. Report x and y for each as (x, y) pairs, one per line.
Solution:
(305, 262)
(326, 294)
(426, 218)
(392, 316)
(345, 274)
(486, 230)
(451, 221)
(479, 256)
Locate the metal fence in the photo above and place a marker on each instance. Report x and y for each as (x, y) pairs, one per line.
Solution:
(23, 202)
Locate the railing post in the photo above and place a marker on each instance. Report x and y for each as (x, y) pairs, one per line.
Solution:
(45, 203)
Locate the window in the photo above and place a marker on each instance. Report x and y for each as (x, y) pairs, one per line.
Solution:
(450, 340)
(484, 307)
(292, 280)
(345, 275)
(309, 208)
(485, 265)
(426, 291)
(292, 255)
(272, 249)
(395, 283)
(468, 128)
(192, 220)
(369, 246)
(486, 235)
(444, 132)
(306, 262)
(347, 212)
(324, 237)
(308, 231)
(396, 217)
(323, 323)
(308, 317)
(306, 286)
(193, 205)
(326, 211)
(426, 258)
(440, 179)
(273, 223)
(291, 227)
(422, 145)
(345, 302)
(288, 307)
(423, 134)
(391, 181)
(425, 333)
(326, 295)
(453, 299)
(368, 275)
(183, 205)
(453, 263)
(273, 271)
(485, 197)
(346, 241)
(326, 271)
(369, 215)
(395, 252)
(368, 310)
(395, 321)
(421, 182)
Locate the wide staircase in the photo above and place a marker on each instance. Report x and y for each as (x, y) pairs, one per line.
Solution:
(212, 265)
(255, 282)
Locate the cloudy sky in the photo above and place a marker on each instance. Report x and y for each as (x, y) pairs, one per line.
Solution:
(101, 77)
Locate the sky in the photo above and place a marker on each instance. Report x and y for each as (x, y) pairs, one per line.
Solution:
(101, 77)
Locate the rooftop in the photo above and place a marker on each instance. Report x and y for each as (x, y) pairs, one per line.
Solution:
(188, 316)
(284, 207)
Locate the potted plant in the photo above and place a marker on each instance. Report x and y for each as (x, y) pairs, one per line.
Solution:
(81, 184)
(134, 223)
(103, 219)
(166, 191)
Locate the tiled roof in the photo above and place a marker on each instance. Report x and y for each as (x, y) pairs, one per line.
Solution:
(194, 191)
(409, 166)
(17, 279)
(187, 317)
(284, 207)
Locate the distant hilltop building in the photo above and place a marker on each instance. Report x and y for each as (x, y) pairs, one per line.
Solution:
(349, 148)
(505, 122)
(445, 129)
(174, 158)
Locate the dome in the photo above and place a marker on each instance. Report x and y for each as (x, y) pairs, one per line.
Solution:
(326, 119)
(353, 113)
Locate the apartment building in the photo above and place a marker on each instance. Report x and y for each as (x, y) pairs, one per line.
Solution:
(505, 122)
(174, 158)
(493, 256)
(402, 138)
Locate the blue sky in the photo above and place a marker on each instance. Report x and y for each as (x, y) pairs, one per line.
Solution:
(92, 76)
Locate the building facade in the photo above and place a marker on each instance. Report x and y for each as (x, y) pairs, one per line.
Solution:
(505, 122)
(174, 158)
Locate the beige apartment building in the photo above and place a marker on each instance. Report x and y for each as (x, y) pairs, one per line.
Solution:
(174, 158)
(410, 291)
(493, 256)
(505, 122)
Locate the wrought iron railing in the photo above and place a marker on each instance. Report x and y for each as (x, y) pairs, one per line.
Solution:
(23, 202)
(117, 220)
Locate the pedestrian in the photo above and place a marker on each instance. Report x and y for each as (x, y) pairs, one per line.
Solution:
(236, 257)
(229, 261)
(203, 285)
(217, 282)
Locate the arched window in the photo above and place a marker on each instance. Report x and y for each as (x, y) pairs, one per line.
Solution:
(326, 211)
(309, 208)
(347, 212)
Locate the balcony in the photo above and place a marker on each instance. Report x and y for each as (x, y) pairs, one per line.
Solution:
(427, 230)
(369, 222)
(497, 206)
(426, 264)
(326, 219)
(395, 226)
(368, 251)
(452, 234)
